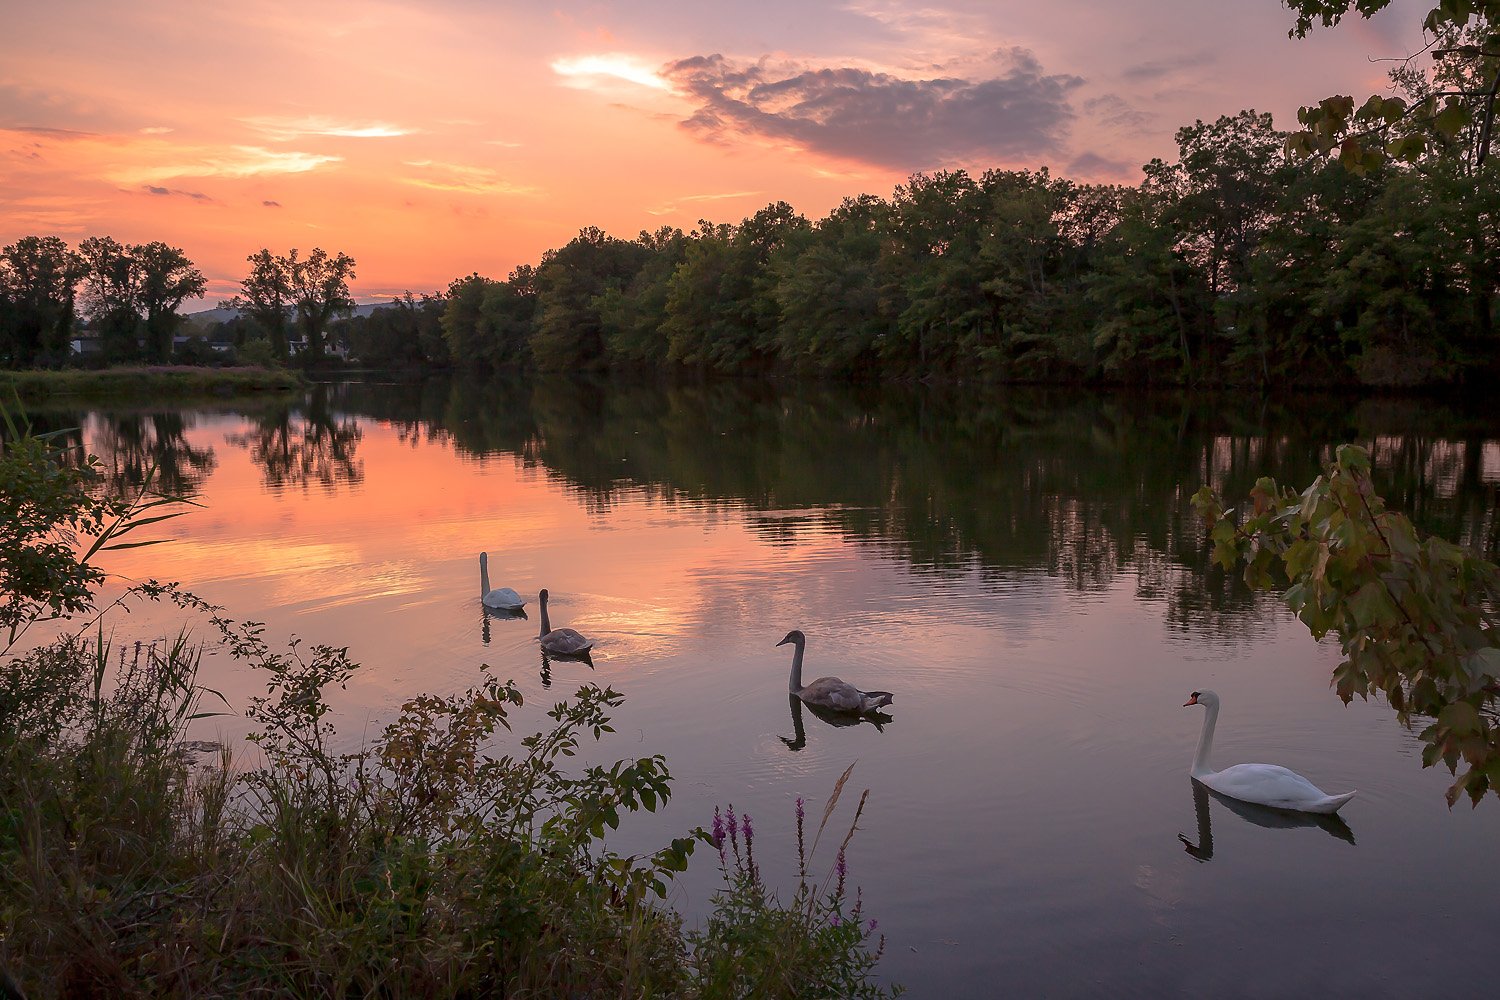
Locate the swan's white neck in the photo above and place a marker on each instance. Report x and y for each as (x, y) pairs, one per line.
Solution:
(795, 684)
(484, 574)
(546, 624)
(1206, 739)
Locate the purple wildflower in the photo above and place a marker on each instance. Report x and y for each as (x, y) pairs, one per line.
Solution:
(749, 832)
(718, 830)
(734, 825)
(799, 809)
(873, 925)
(840, 866)
(835, 920)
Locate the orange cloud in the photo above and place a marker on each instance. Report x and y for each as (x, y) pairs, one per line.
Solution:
(282, 129)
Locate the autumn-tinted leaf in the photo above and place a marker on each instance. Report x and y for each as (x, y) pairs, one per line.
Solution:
(1459, 718)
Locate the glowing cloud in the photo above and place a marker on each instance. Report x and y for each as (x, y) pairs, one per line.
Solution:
(238, 161)
(592, 72)
(280, 129)
(463, 179)
(677, 203)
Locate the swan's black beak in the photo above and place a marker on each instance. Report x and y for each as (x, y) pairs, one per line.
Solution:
(783, 642)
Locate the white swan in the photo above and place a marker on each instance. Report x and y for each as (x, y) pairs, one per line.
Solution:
(1264, 784)
(830, 692)
(502, 598)
(560, 641)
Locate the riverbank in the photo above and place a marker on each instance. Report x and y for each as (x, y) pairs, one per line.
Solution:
(175, 382)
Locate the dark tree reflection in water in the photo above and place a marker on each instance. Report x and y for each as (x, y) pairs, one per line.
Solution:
(298, 446)
(1090, 486)
(137, 449)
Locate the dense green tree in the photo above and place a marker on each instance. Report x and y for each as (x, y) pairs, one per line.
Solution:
(266, 296)
(320, 291)
(632, 315)
(166, 278)
(570, 285)
(111, 295)
(462, 319)
(1230, 175)
(313, 290)
(508, 312)
(934, 275)
(38, 276)
(1290, 328)
(407, 334)
(832, 317)
(722, 311)
(1032, 278)
(691, 315)
(1400, 275)
(1151, 307)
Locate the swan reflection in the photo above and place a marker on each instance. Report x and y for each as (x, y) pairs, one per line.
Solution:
(832, 718)
(549, 658)
(485, 614)
(1265, 816)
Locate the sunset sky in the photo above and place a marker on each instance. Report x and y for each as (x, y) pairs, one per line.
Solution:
(430, 140)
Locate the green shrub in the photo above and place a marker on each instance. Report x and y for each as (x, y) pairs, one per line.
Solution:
(257, 354)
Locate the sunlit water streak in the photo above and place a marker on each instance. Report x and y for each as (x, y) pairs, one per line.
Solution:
(1041, 620)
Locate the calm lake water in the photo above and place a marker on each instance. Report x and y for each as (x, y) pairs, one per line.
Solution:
(1023, 569)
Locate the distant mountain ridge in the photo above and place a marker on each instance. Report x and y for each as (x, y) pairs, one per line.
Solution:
(223, 314)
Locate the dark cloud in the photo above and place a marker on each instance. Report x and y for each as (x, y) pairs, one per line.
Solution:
(1157, 69)
(1111, 109)
(881, 119)
(195, 195)
(271, 204)
(51, 133)
(1093, 166)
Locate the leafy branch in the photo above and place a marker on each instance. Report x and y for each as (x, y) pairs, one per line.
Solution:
(1416, 617)
(1365, 138)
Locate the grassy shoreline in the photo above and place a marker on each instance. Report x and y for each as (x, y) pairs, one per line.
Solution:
(171, 381)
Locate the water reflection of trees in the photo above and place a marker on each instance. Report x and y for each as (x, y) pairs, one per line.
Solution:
(302, 444)
(1087, 487)
(137, 449)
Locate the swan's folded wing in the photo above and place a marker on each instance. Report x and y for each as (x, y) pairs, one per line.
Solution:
(566, 641)
(830, 692)
(1268, 784)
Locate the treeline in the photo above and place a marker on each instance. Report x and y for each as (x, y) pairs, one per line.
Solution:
(116, 303)
(1230, 265)
(129, 296)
